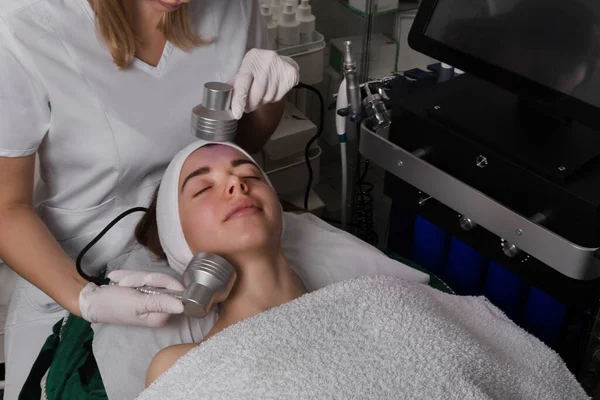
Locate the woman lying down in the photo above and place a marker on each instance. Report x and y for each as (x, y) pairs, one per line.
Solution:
(371, 337)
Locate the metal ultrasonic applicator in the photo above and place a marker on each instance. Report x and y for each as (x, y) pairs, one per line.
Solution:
(208, 280)
(213, 120)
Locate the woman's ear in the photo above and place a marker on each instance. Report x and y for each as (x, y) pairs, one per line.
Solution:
(146, 231)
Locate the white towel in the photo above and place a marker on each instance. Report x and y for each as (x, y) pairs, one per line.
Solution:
(372, 338)
(123, 353)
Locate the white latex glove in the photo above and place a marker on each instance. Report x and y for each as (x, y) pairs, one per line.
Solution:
(121, 304)
(264, 77)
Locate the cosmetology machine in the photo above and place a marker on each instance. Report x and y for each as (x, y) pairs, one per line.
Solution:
(494, 174)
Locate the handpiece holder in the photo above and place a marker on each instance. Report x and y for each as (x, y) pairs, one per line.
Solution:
(372, 105)
(213, 120)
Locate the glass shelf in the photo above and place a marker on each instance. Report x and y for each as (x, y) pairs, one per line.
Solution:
(337, 19)
(402, 6)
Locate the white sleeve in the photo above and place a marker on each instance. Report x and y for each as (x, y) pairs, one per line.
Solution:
(24, 103)
(257, 28)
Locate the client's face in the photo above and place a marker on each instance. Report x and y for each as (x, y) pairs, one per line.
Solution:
(225, 204)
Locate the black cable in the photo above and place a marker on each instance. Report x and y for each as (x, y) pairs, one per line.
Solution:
(94, 279)
(312, 139)
(364, 174)
(363, 201)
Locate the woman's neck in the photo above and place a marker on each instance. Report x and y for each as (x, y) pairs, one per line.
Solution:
(144, 17)
(263, 281)
(150, 40)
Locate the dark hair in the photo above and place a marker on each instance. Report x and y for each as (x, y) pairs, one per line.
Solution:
(146, 231)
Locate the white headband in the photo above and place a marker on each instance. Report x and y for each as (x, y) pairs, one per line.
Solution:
(170, 232)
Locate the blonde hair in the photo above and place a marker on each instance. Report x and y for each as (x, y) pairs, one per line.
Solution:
(114, 25)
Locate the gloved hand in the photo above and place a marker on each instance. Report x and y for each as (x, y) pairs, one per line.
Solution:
(123, 305)
(264, 77)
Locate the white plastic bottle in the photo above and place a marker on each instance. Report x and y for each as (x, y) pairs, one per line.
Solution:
(294, 4)
(307, 21)
(276, 9)
(265, 10)
(288, 29)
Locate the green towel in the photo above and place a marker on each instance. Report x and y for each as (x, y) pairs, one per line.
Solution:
(68, 361)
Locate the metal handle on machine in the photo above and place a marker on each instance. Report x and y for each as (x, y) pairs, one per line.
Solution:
(570, 259)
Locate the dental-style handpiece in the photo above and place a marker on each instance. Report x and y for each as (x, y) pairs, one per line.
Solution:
(213, 120)
(352, 85)
(178, 294)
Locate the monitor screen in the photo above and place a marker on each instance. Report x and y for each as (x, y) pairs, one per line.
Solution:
(554, 43)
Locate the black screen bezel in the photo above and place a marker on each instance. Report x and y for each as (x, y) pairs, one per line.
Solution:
(557, 103)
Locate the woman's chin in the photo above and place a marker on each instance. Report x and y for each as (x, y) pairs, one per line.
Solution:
(249, 226)
(251, 241)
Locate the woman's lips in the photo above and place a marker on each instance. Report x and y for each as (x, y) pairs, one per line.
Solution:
(243, 208)
(244, 212)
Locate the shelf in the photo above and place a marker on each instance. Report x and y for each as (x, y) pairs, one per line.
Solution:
(402, 6)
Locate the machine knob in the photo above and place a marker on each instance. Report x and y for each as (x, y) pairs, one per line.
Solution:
(510, 249)
(466, 223)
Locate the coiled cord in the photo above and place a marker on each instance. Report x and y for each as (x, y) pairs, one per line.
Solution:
(362, 218)
(363, 200)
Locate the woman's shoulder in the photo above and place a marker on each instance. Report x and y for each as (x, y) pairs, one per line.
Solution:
(8, 6)
(26, 19)
(165, 359)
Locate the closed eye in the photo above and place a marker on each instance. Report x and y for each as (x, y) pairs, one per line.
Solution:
(258, 178)
(202, 191)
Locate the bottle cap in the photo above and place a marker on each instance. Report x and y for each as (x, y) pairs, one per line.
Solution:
(265, 10)
(304, 9)
(288, 12)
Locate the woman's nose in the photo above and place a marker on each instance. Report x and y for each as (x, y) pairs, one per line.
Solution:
(237, 184)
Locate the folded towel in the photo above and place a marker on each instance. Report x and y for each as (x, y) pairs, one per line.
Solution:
(372, 338)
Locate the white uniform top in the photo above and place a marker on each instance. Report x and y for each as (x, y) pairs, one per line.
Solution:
(105, 136)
